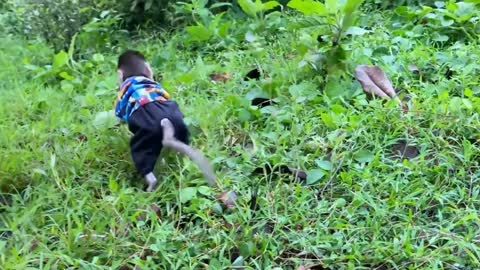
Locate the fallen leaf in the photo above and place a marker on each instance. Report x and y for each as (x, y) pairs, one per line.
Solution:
(221, 77)
(375, 82)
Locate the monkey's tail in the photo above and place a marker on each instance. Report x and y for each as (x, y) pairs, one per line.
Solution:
(169, 141)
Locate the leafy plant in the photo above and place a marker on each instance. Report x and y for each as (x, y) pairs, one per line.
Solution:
(447, 22)
(257, 8)
(331, 22)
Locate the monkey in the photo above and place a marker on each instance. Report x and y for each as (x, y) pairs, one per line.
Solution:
(154, 119)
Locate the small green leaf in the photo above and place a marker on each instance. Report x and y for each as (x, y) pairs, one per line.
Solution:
(98, 58)
(187, 194)
(324, 164)
(66, 76)
(113, 185)
(468, 93)
(60, 60)
(270, 5)
(363, 156)
(217, 209)
(309, 7)
(314, 176)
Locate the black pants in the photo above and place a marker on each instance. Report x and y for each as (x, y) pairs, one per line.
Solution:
(146, 143)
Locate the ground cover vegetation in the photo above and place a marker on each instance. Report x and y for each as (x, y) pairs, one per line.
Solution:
(327, 176)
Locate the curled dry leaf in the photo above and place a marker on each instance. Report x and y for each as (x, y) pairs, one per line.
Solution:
(375, 82)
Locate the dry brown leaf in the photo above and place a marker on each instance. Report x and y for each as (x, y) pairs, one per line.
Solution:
(375, 82)
(220, 77)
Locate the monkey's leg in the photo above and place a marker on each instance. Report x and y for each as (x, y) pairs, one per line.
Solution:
(145, 149)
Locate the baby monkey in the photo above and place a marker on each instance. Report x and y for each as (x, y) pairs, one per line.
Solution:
(155, 120)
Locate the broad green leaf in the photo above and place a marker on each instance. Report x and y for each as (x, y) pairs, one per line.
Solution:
(339, 203)
(199, 32)
(247, 249)
(244, 115)
(270, 5)
(314, 176)
(363, 156)
(248, 7)
(309, 7)
(351, 6)
(60, 60)
(331, 5)
(187, 194)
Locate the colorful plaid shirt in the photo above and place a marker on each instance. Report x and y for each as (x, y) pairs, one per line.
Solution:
(134, 93)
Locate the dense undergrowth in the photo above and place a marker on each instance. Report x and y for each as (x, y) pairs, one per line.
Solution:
(71, 198)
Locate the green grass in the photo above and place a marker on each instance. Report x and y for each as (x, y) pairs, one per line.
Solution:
(75, 202)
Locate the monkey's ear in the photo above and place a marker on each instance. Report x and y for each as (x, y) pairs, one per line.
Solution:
(120, 77)
(149, 70)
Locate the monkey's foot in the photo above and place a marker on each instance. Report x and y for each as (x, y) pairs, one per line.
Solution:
(151, 181)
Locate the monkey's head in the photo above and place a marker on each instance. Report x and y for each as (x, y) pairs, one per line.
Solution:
(133, 63)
